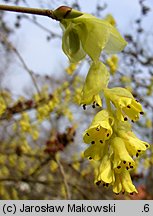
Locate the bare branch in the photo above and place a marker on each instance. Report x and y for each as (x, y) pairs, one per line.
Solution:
(37, 11)
(61, 168)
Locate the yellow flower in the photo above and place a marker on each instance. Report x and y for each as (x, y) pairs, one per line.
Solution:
(71, 68)
(112, 62)
(125, 79)
(34, 133)
(89, 35)
(2, 106)
(124, 102)
(121, 157)
(110, 19)
(148, 123)
(94, 152)
(123, 183)
(25, 147)
(76, 166)
(100, 128)
(43, 112)
(25, 122)
(53, 166)
(105, 171)
(134, 146)
(97, 79)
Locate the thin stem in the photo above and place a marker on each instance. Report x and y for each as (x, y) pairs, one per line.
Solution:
(27, 69)
(61, 168)
(37, 11)
(34, 181)
(30, 72)
(108, 105)
(34, 21)
(41, 165)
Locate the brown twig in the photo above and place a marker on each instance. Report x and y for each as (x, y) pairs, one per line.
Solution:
(34, 21)
(34, 181)
(37, 11)
(30, 72)
(68, 195)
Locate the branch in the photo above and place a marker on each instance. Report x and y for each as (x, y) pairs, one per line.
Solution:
(34, 21)
(34, 181)
(37, 11)
(68, 195)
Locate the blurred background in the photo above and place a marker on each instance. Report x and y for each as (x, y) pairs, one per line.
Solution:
(41, 121)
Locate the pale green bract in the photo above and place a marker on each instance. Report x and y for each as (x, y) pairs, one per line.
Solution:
(71, 45)
(89, 35)
(96, 80)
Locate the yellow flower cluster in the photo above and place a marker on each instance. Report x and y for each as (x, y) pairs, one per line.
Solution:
(71, 68)
(112, 142)
(5, 99)
(2, 106)
(112, 63)
(116, 147)
(46, 102)
(27, 127)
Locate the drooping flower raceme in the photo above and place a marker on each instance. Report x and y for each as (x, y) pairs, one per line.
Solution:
(111, 142)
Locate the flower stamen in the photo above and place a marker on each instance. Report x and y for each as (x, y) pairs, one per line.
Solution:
(107, 184)
(84, 106)
(98, 183)
(125, 118)
(93, 105)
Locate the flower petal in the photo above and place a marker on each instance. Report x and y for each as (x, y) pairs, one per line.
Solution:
(100, 128)
(94, 151)
(117, 186)
(124, 102)
(106, 173)
(120, 153)
(127, 182)
(133, 145)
